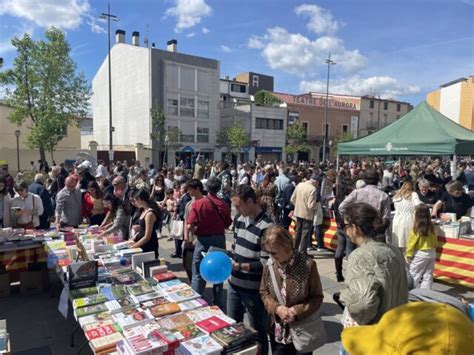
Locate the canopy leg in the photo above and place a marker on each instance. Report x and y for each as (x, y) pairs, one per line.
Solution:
(454, 164)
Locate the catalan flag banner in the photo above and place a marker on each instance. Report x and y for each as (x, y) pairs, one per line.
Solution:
(454, 257)
(16, 261)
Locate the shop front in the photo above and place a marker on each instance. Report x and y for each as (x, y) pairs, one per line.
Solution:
(269, 153)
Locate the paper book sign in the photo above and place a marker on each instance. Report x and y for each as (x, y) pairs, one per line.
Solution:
(64, 303)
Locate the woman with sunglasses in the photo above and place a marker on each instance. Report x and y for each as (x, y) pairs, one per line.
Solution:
(376, 280)
(298, 286)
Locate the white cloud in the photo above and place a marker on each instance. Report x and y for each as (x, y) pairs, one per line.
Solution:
(205, 30)
(188, 13)
(65, 14)
(6, 44)
(295, 53)
(226, 49)
(384, 86)
(96, 28)
(191, 34)
(320, 20)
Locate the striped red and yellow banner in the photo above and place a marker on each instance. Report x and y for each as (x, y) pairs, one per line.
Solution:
(454, 257)
(16, 261)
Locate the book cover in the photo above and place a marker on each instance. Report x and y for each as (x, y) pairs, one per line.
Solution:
(102, 331)
(201, 345)
(125, 278)
(88, 310)
(94, 318)
(147, 297)
(234, 335)
(147, 265)
(175, 288)
(186, 332)
(97, 324)
(139, 288)
(212, 324)
(192, 304)
(120, 303)
(165, 276)
(106, 342)
(183, 295)
(154, 302)
(88, 300)
(149, 338)
(130, 317)
(83, 292)
(163, 285)
(164, 309)
(82, 274)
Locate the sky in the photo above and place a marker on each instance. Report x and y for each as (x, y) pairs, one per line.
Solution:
(398, 49)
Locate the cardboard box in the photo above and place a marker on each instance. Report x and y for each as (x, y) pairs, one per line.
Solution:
(4, 285)
(31, 282)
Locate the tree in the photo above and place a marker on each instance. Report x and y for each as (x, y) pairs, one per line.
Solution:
(237, 139)
(158, 132)
(43, 85)
(265, 98)
(296, 137)
(341, 138)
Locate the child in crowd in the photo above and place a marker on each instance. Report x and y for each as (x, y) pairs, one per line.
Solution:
(421, 249)
(176, 191)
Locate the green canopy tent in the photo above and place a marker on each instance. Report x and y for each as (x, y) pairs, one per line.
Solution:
(422, 131)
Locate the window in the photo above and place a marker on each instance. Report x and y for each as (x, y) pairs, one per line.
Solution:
(345, 128)
(385, 106)
(173, 107)
(186, 138)
(203, 109)
(187, 107)
(398, 107)
(204, 82)
(305, 127)
(255, 80)
(293, 117)
(187, 79)
(202, 135)
(371, 104)
(237, 88)
(268, 123)
(172, 77)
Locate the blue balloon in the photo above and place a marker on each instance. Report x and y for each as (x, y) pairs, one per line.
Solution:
(216, 267)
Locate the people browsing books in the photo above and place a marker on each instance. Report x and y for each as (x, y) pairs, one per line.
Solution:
(149, 221)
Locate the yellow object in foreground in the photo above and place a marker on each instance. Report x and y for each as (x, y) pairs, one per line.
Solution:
(414, 328)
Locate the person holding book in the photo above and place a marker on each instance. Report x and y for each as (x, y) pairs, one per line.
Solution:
(116, 220)
(26, 207)
(149, 221)
(208, 219)
(243, 295)
(297, 295)
(69, 205)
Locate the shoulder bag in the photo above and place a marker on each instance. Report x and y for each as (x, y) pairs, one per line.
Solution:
(307, 335)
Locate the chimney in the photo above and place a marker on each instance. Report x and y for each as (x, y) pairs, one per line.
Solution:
(136, 38)
(153, 45)
(120, 36)
(172, 45)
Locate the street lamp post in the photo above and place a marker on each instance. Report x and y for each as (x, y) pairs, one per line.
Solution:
(329, 62)
(17, 135)
(109, 16)
(167, 142)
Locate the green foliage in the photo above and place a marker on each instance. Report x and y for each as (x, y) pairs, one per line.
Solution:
(296, 137)
(221, 139)
(265, 98)
(158, 132)
(43, 86)
(237, 138)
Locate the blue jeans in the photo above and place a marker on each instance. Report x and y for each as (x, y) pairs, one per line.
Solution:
(198, 283)
(318, 229)
(239, 302)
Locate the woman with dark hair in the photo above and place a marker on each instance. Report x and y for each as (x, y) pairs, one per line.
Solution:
(376, 279)
(5, 200)
(92, 205)
(116, 220)
(149, 222)
(267, 192)
(26, 207)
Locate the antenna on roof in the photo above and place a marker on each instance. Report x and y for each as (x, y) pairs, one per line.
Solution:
(145, 40)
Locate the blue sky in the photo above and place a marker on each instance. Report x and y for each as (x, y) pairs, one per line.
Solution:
(401, 49)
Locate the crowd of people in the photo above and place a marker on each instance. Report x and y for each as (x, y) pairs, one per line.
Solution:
(274, 279)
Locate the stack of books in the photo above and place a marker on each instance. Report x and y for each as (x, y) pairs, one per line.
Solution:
(235, 338)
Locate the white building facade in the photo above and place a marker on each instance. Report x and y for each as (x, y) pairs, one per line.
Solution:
(185, 87)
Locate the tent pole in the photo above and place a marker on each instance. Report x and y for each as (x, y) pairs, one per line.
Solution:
(453, 167)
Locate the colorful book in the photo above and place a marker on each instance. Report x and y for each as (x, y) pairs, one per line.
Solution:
(186, 332)
(140, 288)
(165, 276)
(83, 292)
(192, 304)
(154, 302)
(106, 343)
(147, 297)
(88, 300)
(234, 335)
(200, 345)
(97, 324)
(183, 295)
(130, 317)
(120, 303)
(164, 309)
(102, 331)
(88, 310)
(175, 321)
(212, 324)
(94, 318)
(166, 284)
(175, 288)
(125, 278)
(203, 313)
(149, 339)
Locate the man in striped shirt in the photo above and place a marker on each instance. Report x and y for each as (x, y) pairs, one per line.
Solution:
(248, 258)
